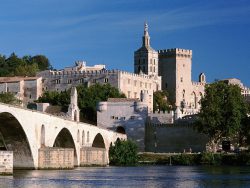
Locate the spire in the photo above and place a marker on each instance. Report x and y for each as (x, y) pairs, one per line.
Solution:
(145, 29)
(146, 37)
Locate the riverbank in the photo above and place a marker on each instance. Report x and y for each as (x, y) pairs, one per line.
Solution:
(148, 158)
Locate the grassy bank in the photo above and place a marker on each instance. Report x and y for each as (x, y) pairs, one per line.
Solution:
(194, 159)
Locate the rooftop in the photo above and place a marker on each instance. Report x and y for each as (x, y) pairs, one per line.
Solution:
(16, 79)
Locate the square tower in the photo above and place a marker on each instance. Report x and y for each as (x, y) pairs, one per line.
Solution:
(175, 67)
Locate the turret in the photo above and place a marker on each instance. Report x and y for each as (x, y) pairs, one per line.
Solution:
(202, 78)
(73, 110)
(177, 113)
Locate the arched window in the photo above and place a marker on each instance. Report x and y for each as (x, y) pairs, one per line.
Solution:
(83, 138)
(88, 137)
(42, 136)
(193, 100)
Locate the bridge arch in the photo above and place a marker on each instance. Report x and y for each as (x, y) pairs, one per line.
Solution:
(14, 138)
(64, 139)
(120, 129)
(98, 141)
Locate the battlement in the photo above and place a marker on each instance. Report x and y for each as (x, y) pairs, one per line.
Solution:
(198, 83)
(73, 73)
(177, 52)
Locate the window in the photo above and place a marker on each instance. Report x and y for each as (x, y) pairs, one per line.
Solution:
(58, 81)
(112, 117)
(128, 81)
(146, 85)
(94, 81)
(106, 80)
(141, 84)
(135, 83)
(88, 136)
(150, 61)
(69, 81)
(129, 94)
(150, 68)
(83, 137)
(154, 69)
(132, 117)
(181, 79)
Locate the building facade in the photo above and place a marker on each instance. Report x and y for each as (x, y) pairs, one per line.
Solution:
(125, 116)
(130, 84)
(26, 89)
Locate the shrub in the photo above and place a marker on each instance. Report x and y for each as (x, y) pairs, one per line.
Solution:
(123, 153)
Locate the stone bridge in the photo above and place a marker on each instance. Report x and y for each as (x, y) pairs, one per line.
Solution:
(33, 137)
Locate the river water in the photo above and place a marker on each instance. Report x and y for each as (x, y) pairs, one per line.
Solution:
(145, 176)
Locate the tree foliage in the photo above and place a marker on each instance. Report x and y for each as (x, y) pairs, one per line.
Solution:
(160, 102)
(23, 66)
(9, 98)
(123, 153)
(87, 98)
(223, 111)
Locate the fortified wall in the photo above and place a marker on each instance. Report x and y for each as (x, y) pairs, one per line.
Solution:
(177, 137)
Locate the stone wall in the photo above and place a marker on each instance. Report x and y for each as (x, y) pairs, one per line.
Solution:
(173, 138)
(56, 158)
(162, 117)
(93, 156)
(6, 162)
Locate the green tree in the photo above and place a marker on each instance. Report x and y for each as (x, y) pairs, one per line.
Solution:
(160, 101)
(25, 66)
(42, 62)
(123, 153)
(88, 97)
(222, 113)
(9, 98)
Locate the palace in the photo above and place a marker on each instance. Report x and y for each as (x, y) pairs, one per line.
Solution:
(153, 70)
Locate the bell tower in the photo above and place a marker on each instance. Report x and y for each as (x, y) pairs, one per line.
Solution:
(146, 58)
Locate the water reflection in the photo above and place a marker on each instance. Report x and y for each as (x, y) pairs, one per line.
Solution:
(147, 176)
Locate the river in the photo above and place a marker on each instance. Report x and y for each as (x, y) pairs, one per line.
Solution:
(143, 176)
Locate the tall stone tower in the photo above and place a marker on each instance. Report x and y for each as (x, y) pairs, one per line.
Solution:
(175, 68)
(146, 58)
(73, 110)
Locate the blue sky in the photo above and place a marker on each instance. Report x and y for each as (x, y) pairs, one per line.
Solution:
(108, 32)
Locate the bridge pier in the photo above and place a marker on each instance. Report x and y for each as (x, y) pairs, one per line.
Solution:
(55, 158)
(93, 156)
